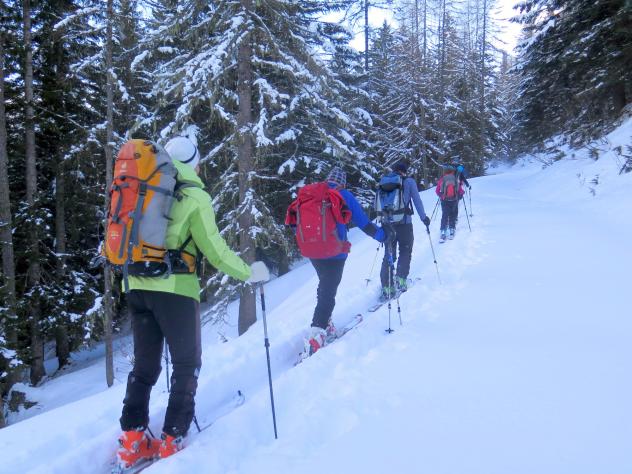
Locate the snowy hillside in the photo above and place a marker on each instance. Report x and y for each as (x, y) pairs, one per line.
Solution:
(519, 362)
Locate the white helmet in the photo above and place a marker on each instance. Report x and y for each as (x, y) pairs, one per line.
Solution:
(183, 150)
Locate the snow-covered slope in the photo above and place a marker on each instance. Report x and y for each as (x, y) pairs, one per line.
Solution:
(519, 362)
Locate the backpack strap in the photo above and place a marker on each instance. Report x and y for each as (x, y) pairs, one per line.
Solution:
(408, 207)
(342, 213)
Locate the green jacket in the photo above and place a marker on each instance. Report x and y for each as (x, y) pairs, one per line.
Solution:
(193, 215)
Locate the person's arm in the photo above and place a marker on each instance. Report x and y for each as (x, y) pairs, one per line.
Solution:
(410, 189)
(207, 239)
(359, 218)
(464, 180)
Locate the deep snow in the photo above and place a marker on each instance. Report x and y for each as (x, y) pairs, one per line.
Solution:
(519, 362)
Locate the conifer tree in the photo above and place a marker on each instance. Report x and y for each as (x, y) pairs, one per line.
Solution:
(293, 130)
(574, 65)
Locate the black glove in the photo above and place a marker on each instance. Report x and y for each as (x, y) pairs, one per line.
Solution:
(389, 232)
(426, 221)
(469, 186)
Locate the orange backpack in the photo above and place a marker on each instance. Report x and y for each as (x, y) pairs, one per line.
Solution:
(142, 193)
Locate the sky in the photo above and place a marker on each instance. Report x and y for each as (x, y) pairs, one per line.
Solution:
(508, 35)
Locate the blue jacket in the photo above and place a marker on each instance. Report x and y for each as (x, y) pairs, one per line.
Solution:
(359, 218)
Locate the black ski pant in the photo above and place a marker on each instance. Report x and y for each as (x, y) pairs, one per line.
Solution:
(329, 273)
(404, 239)
(449, 211)
(157, 316)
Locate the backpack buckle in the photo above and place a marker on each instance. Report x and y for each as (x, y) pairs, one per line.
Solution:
(142, 189)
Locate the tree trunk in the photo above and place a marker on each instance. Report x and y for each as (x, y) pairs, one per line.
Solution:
(4, 388)
(34, 270)
(283, 262)
(62, 344)
(424, 66)
(416, 23)
(618, 97)
(481, 156)
(6, 225)
(442, 81)
(366, 35)
(425, 53)
(108, 306)
(6, 242)
(245, 155)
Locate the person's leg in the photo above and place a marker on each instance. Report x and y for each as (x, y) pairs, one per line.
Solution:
(406, 238)
(454, 206)
(179, 318)
(445, 214)
(386, 273)
(384, 270)
(147, 352)
(329, 273)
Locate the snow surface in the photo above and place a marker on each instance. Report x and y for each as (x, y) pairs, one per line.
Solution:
(519, 362)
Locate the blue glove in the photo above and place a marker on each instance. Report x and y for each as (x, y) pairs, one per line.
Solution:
(380, 235)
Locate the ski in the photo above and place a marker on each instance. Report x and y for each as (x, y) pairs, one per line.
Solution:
(376, 306)
(379, 304)
(357, 319)
(238, 400)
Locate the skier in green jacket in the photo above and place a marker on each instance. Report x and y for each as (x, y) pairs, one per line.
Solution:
(168, 308)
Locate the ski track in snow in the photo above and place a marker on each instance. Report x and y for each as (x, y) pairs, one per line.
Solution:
(518, 363)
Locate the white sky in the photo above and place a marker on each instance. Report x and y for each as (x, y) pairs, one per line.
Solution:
(508, 35)
(510, 31)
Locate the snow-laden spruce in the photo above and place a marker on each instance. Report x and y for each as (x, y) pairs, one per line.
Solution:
(288, 109)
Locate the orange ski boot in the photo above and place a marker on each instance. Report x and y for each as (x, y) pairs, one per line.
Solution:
(135, 446)
(170, 445)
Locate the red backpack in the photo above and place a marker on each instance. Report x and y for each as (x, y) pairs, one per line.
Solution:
(448, 187)
(315, 213)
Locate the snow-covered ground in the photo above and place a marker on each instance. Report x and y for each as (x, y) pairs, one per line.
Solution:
(519, 362)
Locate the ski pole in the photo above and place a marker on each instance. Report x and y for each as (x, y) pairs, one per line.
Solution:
(399, 310)
(267, 344)
(377, 250)
(390, 283)
(435, 210)
(388, 249)
(392, 272)
(466, 215)
(167, 365)
(469, 192)
(433, 254)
